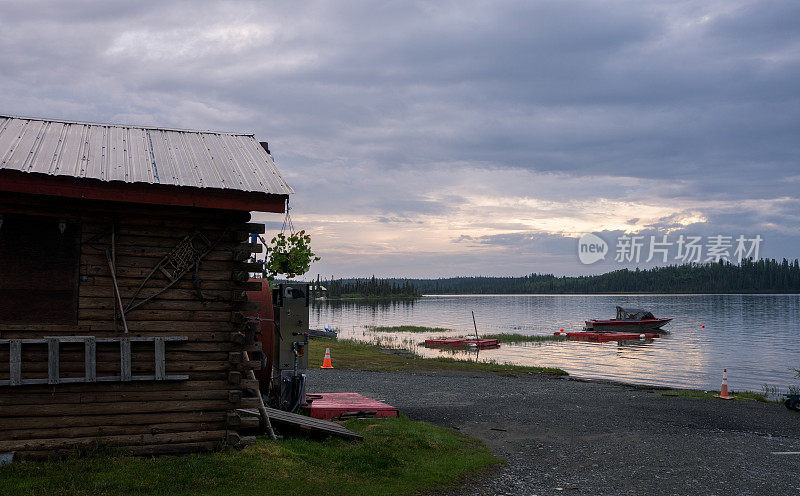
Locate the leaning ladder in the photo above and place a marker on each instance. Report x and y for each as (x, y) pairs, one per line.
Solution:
(90, 348)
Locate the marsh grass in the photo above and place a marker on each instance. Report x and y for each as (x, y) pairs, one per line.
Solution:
(407, 328)
(351, 354)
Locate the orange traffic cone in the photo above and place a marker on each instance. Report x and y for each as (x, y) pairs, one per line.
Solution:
(723, 393)
(326, 362)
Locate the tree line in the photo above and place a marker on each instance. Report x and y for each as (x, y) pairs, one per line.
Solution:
(368, 288)
(761, 276)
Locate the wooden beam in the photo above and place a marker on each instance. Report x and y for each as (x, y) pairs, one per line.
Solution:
(15, 362)
(90, 347)
(155, 194)
(125, 359)
(160, 359)
(52, 361)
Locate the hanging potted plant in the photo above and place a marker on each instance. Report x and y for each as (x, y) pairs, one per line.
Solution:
(289, 255)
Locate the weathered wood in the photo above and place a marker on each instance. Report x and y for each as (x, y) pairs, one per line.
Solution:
(83, 406)
(81, 339)
(303, 422)
(220, 384)
(112, 430)
(121, 419)
(147, 314)
(139, 450)
(117, 440)
(90, 345)
(102, 396)
(52, 361)
(15, 362)
(112, 268)
(160, 359)
(125, 407)
(174, 304)
(255, 228)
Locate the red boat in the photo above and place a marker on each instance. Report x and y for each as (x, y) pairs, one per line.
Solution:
(608, 336)
(430, 343)
(480, 343)
(483, 343)
(628, 320)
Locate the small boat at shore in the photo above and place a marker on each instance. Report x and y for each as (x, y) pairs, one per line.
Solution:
(608, 336)
(478, 343)
(630, 320)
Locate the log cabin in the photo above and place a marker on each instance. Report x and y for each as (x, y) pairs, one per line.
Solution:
(124, 271)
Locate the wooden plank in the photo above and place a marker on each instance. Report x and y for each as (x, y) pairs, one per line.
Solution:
(90, 346)
(15, 362)
(98, 395)
(81, 339)
(118, 440)
(125, 359)
(125, 407)
(56, 430)
(303, 422)
(52, 361)
(160, 359)
(116, 419)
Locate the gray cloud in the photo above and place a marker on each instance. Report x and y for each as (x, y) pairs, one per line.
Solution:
(382, 109)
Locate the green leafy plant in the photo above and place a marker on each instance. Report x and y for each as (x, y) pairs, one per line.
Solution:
(289, 255)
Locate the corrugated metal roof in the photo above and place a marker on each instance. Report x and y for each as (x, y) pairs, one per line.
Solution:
(135, 154)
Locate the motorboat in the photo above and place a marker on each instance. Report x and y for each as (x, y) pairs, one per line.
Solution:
(628, 320)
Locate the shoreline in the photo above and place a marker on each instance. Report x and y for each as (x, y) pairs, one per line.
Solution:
(382, 359)
(593, 437)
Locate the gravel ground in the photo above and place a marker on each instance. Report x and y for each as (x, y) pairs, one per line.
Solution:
(564, 436)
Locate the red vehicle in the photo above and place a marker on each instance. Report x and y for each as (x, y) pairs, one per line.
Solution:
(628, 320)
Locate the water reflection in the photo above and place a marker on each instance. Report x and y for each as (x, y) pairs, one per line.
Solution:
(754, 336)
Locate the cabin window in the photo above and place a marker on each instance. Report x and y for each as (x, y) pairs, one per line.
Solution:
(39, 263)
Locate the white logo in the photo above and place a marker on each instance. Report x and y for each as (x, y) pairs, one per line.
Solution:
(591, 248)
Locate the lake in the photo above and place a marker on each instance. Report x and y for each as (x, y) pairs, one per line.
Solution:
(756, 337)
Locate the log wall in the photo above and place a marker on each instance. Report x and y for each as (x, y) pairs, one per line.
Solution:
(147, 417)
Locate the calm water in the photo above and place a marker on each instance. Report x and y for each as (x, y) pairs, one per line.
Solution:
(756, 337)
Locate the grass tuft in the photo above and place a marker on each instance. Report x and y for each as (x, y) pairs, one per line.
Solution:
(738, 395)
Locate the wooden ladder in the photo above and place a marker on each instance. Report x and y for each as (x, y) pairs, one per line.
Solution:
(90, 347)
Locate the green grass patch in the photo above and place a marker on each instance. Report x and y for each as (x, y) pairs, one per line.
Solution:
(407, 328)
(738, 395)
(522, 338)
(350, 354)
(396, 457)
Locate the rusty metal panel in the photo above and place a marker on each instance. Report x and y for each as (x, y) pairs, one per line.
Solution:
(135, 154)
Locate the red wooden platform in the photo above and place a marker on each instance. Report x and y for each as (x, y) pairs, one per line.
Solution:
(333, 405)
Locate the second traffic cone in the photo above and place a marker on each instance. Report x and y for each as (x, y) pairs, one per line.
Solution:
(326, 362)
(723, 393)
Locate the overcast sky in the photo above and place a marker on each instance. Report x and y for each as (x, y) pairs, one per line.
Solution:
(455, 138)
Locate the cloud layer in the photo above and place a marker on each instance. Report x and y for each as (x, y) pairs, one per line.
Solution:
(451, 138)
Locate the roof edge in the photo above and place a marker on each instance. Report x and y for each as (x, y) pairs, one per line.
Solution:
(106, 124)
(144, 193)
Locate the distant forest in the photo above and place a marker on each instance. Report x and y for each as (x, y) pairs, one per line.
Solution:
(762, 276)
(370, 288)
